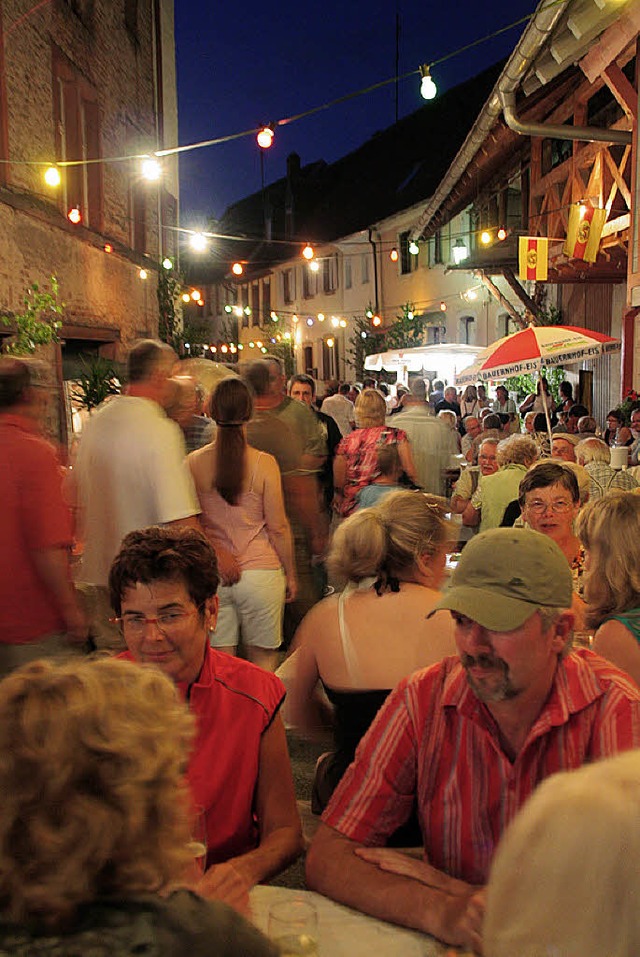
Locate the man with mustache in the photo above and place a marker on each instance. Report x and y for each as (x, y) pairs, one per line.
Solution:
(469, 739)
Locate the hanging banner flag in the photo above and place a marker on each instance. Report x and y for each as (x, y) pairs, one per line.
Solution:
(584, 231)
(533, 257)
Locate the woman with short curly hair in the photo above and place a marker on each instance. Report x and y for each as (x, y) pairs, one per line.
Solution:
(94, 817)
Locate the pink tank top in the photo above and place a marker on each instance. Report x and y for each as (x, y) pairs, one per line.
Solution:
(241, 528)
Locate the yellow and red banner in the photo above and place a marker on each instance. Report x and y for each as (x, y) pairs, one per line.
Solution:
(584, 231)
(533, 257)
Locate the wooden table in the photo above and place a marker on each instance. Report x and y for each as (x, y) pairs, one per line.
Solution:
(343, 932)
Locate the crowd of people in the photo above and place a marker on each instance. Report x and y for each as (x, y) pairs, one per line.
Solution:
(218, 535)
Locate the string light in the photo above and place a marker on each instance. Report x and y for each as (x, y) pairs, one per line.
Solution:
(330, 343)
(335, 322)
(74, 215)
(108, 248)
(321, 317)
(443, 306)
(485, 237)
(247, 311)
(198, 242)
(343, 323)
(237, 269)
(151, 169)
(201, 302)
(502, 233)
(314, 266)
(167, 263)
(428, 89)
(393, 255)
(195, 295)
(307, 252)
(265, 137)
(414, 249)
(309, 321)
(224, 348)
(376, 321)
(52, 176)
(144, 275)
(187, 298)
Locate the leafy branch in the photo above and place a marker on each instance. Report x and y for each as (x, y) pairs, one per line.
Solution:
(40, 321)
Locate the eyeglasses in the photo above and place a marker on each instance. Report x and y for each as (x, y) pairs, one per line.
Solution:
(539, 507)
(169, 623)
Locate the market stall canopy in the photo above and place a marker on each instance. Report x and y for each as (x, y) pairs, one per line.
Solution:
(535, 347)
(204, 371)
(448, 360)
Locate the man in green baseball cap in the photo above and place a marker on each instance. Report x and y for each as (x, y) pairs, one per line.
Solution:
(469, 739)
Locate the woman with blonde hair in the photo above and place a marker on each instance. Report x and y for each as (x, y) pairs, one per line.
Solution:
(94, 822)
(243, 514)
(565, 880)
(609, 528)
(355, 462)
(358, 645)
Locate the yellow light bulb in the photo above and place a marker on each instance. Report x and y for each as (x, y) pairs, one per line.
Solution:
(52, 176)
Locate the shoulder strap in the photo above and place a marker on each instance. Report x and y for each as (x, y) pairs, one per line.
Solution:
(345, 638)
(255, 469)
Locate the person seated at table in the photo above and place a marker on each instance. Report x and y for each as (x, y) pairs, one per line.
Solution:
(469, 739)
(387, 480)
(565, 878)
(610, 531)
(515, 455)
(563, 446)
(94, 822)
(595, 456)
(472, 429)
(549, 499)
(471, 476)
(361, 643)
(163, 585)
(616, 432)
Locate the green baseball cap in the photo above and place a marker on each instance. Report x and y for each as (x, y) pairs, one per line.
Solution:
(505, 575)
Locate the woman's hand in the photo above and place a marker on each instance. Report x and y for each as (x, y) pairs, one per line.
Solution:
(228, 567)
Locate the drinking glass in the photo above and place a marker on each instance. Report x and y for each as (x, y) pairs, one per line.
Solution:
(293, 927)
(198, 842)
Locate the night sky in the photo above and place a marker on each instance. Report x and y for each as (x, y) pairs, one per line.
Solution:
(243, 64)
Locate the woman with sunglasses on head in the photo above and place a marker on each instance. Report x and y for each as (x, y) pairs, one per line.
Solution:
(359, 644)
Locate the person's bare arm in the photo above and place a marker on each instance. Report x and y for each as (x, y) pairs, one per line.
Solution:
(334, 869)
(281, 840)
(339, 479)
(470, 515)
(406, 460)
(616, 643)
(306, 711)
(278, 528)
(458, 504)
(53, 569)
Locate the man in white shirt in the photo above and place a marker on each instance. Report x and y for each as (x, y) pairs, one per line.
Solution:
(339, 407)
(432, 443)
(130, 473)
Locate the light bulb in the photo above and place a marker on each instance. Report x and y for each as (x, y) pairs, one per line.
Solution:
(237, 311)
(414, 249)
(237, 269)
(307, 252)
(201, 302)
(330, 343)
(410, 314)
(443, 306)
(108, 248)
(186, 297)
(247, 310)
(265, 137)
(502, 233)
(376, 321)
(151, 169)
(393, 255)
(309, 321)
(485, 237)
(195, 294)
(52, 176)
(335, 322)
(74, 215)
(321, 317)
(167, 263)
(274, 316)
(314, 266)
(143, 274)
(227, 308)
(428, 89)
(343, 323)
(224, 349)
(198, 242)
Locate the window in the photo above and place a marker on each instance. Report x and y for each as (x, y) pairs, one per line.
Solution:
(77, 123)
(330, 358)
(266, 299)
(364, 267)
(288, 285)
(408, 262)
(329, 271)
(308, 283)
(255, 304)
(347, 273)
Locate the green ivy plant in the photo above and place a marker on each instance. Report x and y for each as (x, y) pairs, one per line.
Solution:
(38, 324)
(524, 385)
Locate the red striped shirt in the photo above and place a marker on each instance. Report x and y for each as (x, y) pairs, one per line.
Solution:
(434, 740)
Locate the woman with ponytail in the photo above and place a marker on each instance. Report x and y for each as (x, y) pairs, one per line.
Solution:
(359, 644)
(243, 514)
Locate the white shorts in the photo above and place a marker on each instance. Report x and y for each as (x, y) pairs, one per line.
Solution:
(253, 608)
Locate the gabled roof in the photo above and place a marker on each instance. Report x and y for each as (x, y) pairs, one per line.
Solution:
(395, 169)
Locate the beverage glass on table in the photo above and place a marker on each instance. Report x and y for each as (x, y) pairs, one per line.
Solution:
(198, 842)
(293, 927)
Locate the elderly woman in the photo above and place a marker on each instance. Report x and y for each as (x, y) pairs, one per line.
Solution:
(490, 500)
(355, 462)
(565, 879)
(610, 531)
(94, 831)
(163, 586)
(359, 644)
(595, 456)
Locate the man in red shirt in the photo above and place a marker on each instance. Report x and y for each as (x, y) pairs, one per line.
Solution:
(469, 739)
(39, 611)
